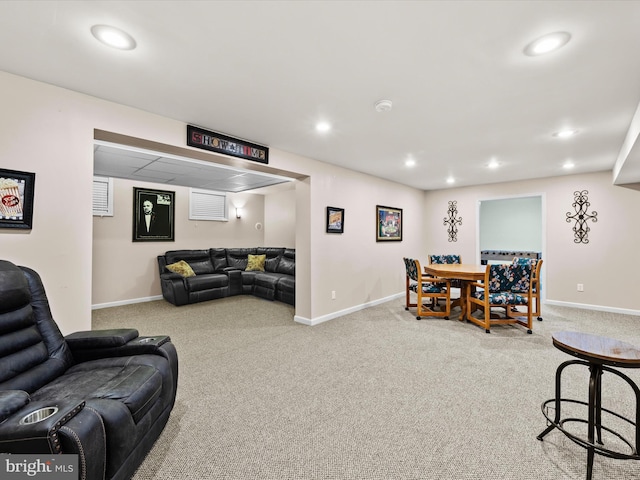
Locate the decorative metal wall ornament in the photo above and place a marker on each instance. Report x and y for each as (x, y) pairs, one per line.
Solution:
(452, 221)
(581, 229)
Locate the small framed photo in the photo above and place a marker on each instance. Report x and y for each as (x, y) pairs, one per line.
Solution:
(335, 220)
(16, 199)
(153, 215)
(388, 224)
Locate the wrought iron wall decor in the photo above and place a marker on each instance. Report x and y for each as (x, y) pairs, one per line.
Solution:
(581, 204)
(452, 221)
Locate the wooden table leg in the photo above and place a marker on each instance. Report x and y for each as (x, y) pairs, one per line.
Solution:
(464, 293)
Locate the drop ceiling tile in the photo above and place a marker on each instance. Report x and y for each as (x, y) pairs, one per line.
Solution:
(150, 167)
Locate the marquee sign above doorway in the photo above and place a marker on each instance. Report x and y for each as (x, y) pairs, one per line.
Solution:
(216, 142)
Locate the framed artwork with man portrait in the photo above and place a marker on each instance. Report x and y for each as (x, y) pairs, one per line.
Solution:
(153, 215)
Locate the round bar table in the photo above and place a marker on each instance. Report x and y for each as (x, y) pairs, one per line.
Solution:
(599, 354)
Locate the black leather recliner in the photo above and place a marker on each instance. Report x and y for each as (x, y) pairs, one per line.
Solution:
(104, 395)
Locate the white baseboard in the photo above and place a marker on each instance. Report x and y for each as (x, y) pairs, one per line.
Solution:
(346, 311)
(585, 306)
(125, 302)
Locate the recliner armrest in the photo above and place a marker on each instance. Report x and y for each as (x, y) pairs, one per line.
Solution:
(34, 428)
(100, 338)
(11, 401)
(230, 269)
(171, 275)
(134, 346)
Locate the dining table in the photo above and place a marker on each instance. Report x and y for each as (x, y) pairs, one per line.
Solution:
(465, 272)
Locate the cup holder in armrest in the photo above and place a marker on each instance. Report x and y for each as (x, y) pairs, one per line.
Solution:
(155, 341)
(38, 416)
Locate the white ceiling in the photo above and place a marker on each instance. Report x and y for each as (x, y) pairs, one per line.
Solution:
(148, 166)
(266, 71)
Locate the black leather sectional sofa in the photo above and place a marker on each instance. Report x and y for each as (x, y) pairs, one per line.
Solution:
(222, 272)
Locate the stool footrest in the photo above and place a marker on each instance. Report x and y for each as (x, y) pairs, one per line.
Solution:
(598, 448)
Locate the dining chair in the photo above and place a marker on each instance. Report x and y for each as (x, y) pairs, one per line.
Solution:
(505, 285)
(448, 259)
(536, 286)
(427, 289)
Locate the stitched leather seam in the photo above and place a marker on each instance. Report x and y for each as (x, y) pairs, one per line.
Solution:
(83, 460)
(153, 397)
(104, 438)
(122, 379)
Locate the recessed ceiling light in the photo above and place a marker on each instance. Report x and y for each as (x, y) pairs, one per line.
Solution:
(323, 127)
(565, 133)
(410, 162)
(568, 165)
(547, 43)
(451, 180)
(493, 163)
(113, 37)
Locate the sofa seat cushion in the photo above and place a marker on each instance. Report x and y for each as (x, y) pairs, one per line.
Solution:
(265, 286)
(248, 278)
(206, 282)
(287, 283)
(135, 386)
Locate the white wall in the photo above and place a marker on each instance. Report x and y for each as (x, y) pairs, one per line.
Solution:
(42, 132)
(353, 264)
(124, 270)
(50, 131)
(280, 219)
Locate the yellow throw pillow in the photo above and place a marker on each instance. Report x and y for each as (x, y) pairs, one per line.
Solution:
(255, 263)
(182, 268)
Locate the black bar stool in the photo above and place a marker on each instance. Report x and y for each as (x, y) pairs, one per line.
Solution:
(596, 353)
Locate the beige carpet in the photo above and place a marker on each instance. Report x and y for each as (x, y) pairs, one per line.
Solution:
(374, 395)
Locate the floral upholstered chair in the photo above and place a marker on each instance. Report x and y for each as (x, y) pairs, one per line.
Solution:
(447, 259)
(505, 285)
(536, 287)
(427, 289)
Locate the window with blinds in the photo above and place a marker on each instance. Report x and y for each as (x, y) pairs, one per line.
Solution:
(103, 196)
(207, 205)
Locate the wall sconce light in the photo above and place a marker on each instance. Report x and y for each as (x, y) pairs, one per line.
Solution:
(238, 213)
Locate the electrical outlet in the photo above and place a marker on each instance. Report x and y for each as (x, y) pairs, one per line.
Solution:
(333, 294)
(580, 287)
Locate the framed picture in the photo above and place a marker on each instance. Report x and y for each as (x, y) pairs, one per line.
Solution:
(16, 199)
(388, 224)
(335, 220)
(153, 215)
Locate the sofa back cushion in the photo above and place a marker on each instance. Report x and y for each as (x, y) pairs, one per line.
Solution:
(218, 258)
(32, 349)
(256, 263)
(287, 264)
(239, 257)
(198, 260)
(181, 268)
(273, 256)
